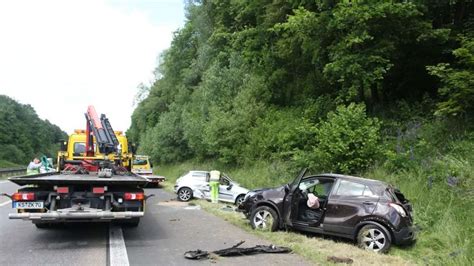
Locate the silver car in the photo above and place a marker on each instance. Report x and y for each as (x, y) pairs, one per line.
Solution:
(196, 184)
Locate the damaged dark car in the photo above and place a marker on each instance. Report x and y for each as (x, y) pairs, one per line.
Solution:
(370, 212)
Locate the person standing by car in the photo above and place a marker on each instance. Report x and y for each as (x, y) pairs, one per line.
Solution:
(214, 184)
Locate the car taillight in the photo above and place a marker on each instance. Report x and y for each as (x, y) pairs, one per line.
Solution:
(398, 208)
(23, 196)
(133, 196)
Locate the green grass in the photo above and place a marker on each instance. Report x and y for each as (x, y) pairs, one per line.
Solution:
(444, 213)
(7, 164)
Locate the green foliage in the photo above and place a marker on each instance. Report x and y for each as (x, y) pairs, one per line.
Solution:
(245, 80)
(457, 89)
(23, 135)
(347, 142)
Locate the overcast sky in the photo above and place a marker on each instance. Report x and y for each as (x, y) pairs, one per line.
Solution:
(61, 56)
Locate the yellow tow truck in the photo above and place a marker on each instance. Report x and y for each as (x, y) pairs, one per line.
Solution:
(142, 166)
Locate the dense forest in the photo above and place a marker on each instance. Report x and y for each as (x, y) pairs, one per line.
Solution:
(317, 83)
(24, 135)
(383, 89)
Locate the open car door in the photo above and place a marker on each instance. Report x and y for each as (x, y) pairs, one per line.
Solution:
(289, 209)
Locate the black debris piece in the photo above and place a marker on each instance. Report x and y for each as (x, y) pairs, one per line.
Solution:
(235, 251)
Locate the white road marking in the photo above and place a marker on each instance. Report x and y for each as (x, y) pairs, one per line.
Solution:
(117, 249)
(5, 203)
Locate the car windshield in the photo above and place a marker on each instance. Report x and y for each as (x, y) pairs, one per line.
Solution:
(140, 162)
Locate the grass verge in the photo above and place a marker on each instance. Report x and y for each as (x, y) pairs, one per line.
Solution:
(443, 212)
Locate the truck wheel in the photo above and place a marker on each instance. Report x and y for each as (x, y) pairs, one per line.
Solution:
(133, 222)
(185, 194)
(42, 225)
(374, 238)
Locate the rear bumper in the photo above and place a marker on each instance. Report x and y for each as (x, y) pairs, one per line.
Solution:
(156, 179)
(406, 235)
(55, 216)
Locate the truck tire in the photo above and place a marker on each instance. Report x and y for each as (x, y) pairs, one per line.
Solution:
(133, 222)
(42, 225)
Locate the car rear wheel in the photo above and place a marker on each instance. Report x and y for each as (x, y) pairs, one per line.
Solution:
(185, 194)
(239, 200)
(374, 238)
(264, 218)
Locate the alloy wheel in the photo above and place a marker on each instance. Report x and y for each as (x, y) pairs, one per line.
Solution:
(374, 240)
(185, 194)
(263, 219)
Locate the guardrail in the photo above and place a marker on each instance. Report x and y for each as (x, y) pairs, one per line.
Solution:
(12, 171)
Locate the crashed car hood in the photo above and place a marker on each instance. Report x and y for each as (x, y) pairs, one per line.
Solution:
(269, 192)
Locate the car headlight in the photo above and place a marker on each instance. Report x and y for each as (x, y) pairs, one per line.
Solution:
(399, 209)
(249, 194)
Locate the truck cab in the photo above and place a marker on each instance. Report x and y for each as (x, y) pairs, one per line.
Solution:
(141, 165)
(75, 149)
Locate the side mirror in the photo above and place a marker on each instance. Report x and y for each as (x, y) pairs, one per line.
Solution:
(133, 147)
(230, 187)
(287, 188)
(63, 145)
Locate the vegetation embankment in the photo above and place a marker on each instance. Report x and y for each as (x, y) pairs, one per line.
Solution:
(381, 89)
(23, 135)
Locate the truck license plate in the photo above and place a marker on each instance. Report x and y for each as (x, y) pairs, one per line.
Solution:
(28, 205)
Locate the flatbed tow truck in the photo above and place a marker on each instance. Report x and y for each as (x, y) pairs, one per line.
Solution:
(98, 186)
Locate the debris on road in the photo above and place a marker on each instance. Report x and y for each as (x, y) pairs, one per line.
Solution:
(335, 259)
(235, 251)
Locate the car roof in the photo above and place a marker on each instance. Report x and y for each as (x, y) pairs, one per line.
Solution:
(197, 171)
(352, 178)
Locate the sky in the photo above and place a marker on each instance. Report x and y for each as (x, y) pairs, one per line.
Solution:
(62, 56)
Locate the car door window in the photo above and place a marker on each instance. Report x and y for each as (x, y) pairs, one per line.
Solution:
(348, 188)
(200, 176)
(320, 187)
(224, 181)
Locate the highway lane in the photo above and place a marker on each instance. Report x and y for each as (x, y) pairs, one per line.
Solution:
(171, 228)
(23, 244)
(168, 229)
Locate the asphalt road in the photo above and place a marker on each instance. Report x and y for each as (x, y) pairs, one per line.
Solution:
(168, 229)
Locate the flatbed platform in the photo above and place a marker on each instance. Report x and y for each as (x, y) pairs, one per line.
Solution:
(57, 178)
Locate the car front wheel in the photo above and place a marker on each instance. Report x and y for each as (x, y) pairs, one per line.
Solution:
(374, 238)
(264, 218)
(239, 200)
(185, 194)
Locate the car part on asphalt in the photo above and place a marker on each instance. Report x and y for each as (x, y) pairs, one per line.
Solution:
(235, 251)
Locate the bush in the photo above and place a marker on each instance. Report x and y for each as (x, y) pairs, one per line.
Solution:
(347, 142)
